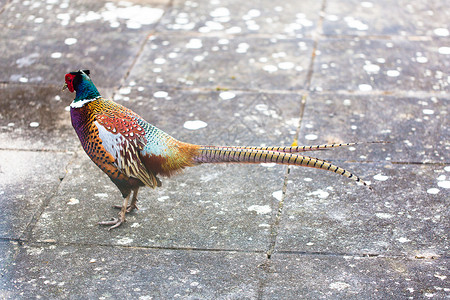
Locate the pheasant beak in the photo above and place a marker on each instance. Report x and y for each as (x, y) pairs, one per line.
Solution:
(64, 87)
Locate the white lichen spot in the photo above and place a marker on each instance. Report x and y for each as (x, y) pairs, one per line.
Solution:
(253, 13)
(195, 124)
(278, 195)
(392, 73)
(311, 137)
(73, 201)
(447, 169)
(101, 195)
(260, 209)
(356, 24)
(339, 285)
(268, 165)
(286, 65)
(421, 59)
(163, 198)
(70, 41)
(319, 193)
(445, 184)
(347, 102)
(135, 225)
(433, 191)
(441, 277)
(125, 90)
(307, 179)
(270, 68)
(380, 177)
(242, 48)
(444, 50)
(371, 68)
(234, 30)
(160, 94)
(365, 87)
(56, 55)
(124, 241)
(227, 95)
(403, 240)
(367, 4)
(194, 44)
(383, 215)
(34, 124)
(27, 60)
(441, 31)
(428, 111)
(220, 12)
(223, 42)
(159, 61)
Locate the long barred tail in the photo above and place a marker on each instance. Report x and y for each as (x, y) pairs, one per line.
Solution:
(213, 154)
(295, 149)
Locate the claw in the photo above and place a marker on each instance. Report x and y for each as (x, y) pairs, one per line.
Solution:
(115, 222)
(64, 87)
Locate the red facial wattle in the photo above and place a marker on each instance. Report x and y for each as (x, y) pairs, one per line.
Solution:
(69, 81)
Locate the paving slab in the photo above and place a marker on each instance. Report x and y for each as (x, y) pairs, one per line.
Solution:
(407, 214)
(9, 251)
(73, 272)
(388, 18)
(28, 180)
(103, 36)
(207, 207)
(352, 277)
(35, 117)
(364, 65)
(214, 62)
(417, 127)
(281, 19)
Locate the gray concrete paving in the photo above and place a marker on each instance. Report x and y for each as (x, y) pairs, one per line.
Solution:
(367, 71)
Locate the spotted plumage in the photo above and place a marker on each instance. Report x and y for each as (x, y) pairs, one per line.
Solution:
(132, 152)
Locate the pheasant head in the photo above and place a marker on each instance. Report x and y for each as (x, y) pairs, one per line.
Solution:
(81, 83)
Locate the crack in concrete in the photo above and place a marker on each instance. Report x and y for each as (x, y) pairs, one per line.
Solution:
(278, 217)
(26, 234)
(141, 48)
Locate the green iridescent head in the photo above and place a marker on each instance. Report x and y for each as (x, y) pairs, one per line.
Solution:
(81, 83)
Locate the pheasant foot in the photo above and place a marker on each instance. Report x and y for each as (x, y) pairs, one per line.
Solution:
(114, 223)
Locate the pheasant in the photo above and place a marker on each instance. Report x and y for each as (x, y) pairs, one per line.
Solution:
(132, 152)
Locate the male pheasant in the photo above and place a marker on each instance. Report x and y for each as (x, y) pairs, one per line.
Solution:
(132, 152)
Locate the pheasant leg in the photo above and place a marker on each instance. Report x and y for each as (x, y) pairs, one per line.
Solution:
(116, 222)
(132, 205)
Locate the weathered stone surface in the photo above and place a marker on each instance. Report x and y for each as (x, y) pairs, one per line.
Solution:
(97, 35)
(356, 277)
(223, 63)
(389, 65)
(406, 214)
(28, 181)
(386, 18)
(277, 19)
(415, 127)
(73, 272)
(35, 117)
